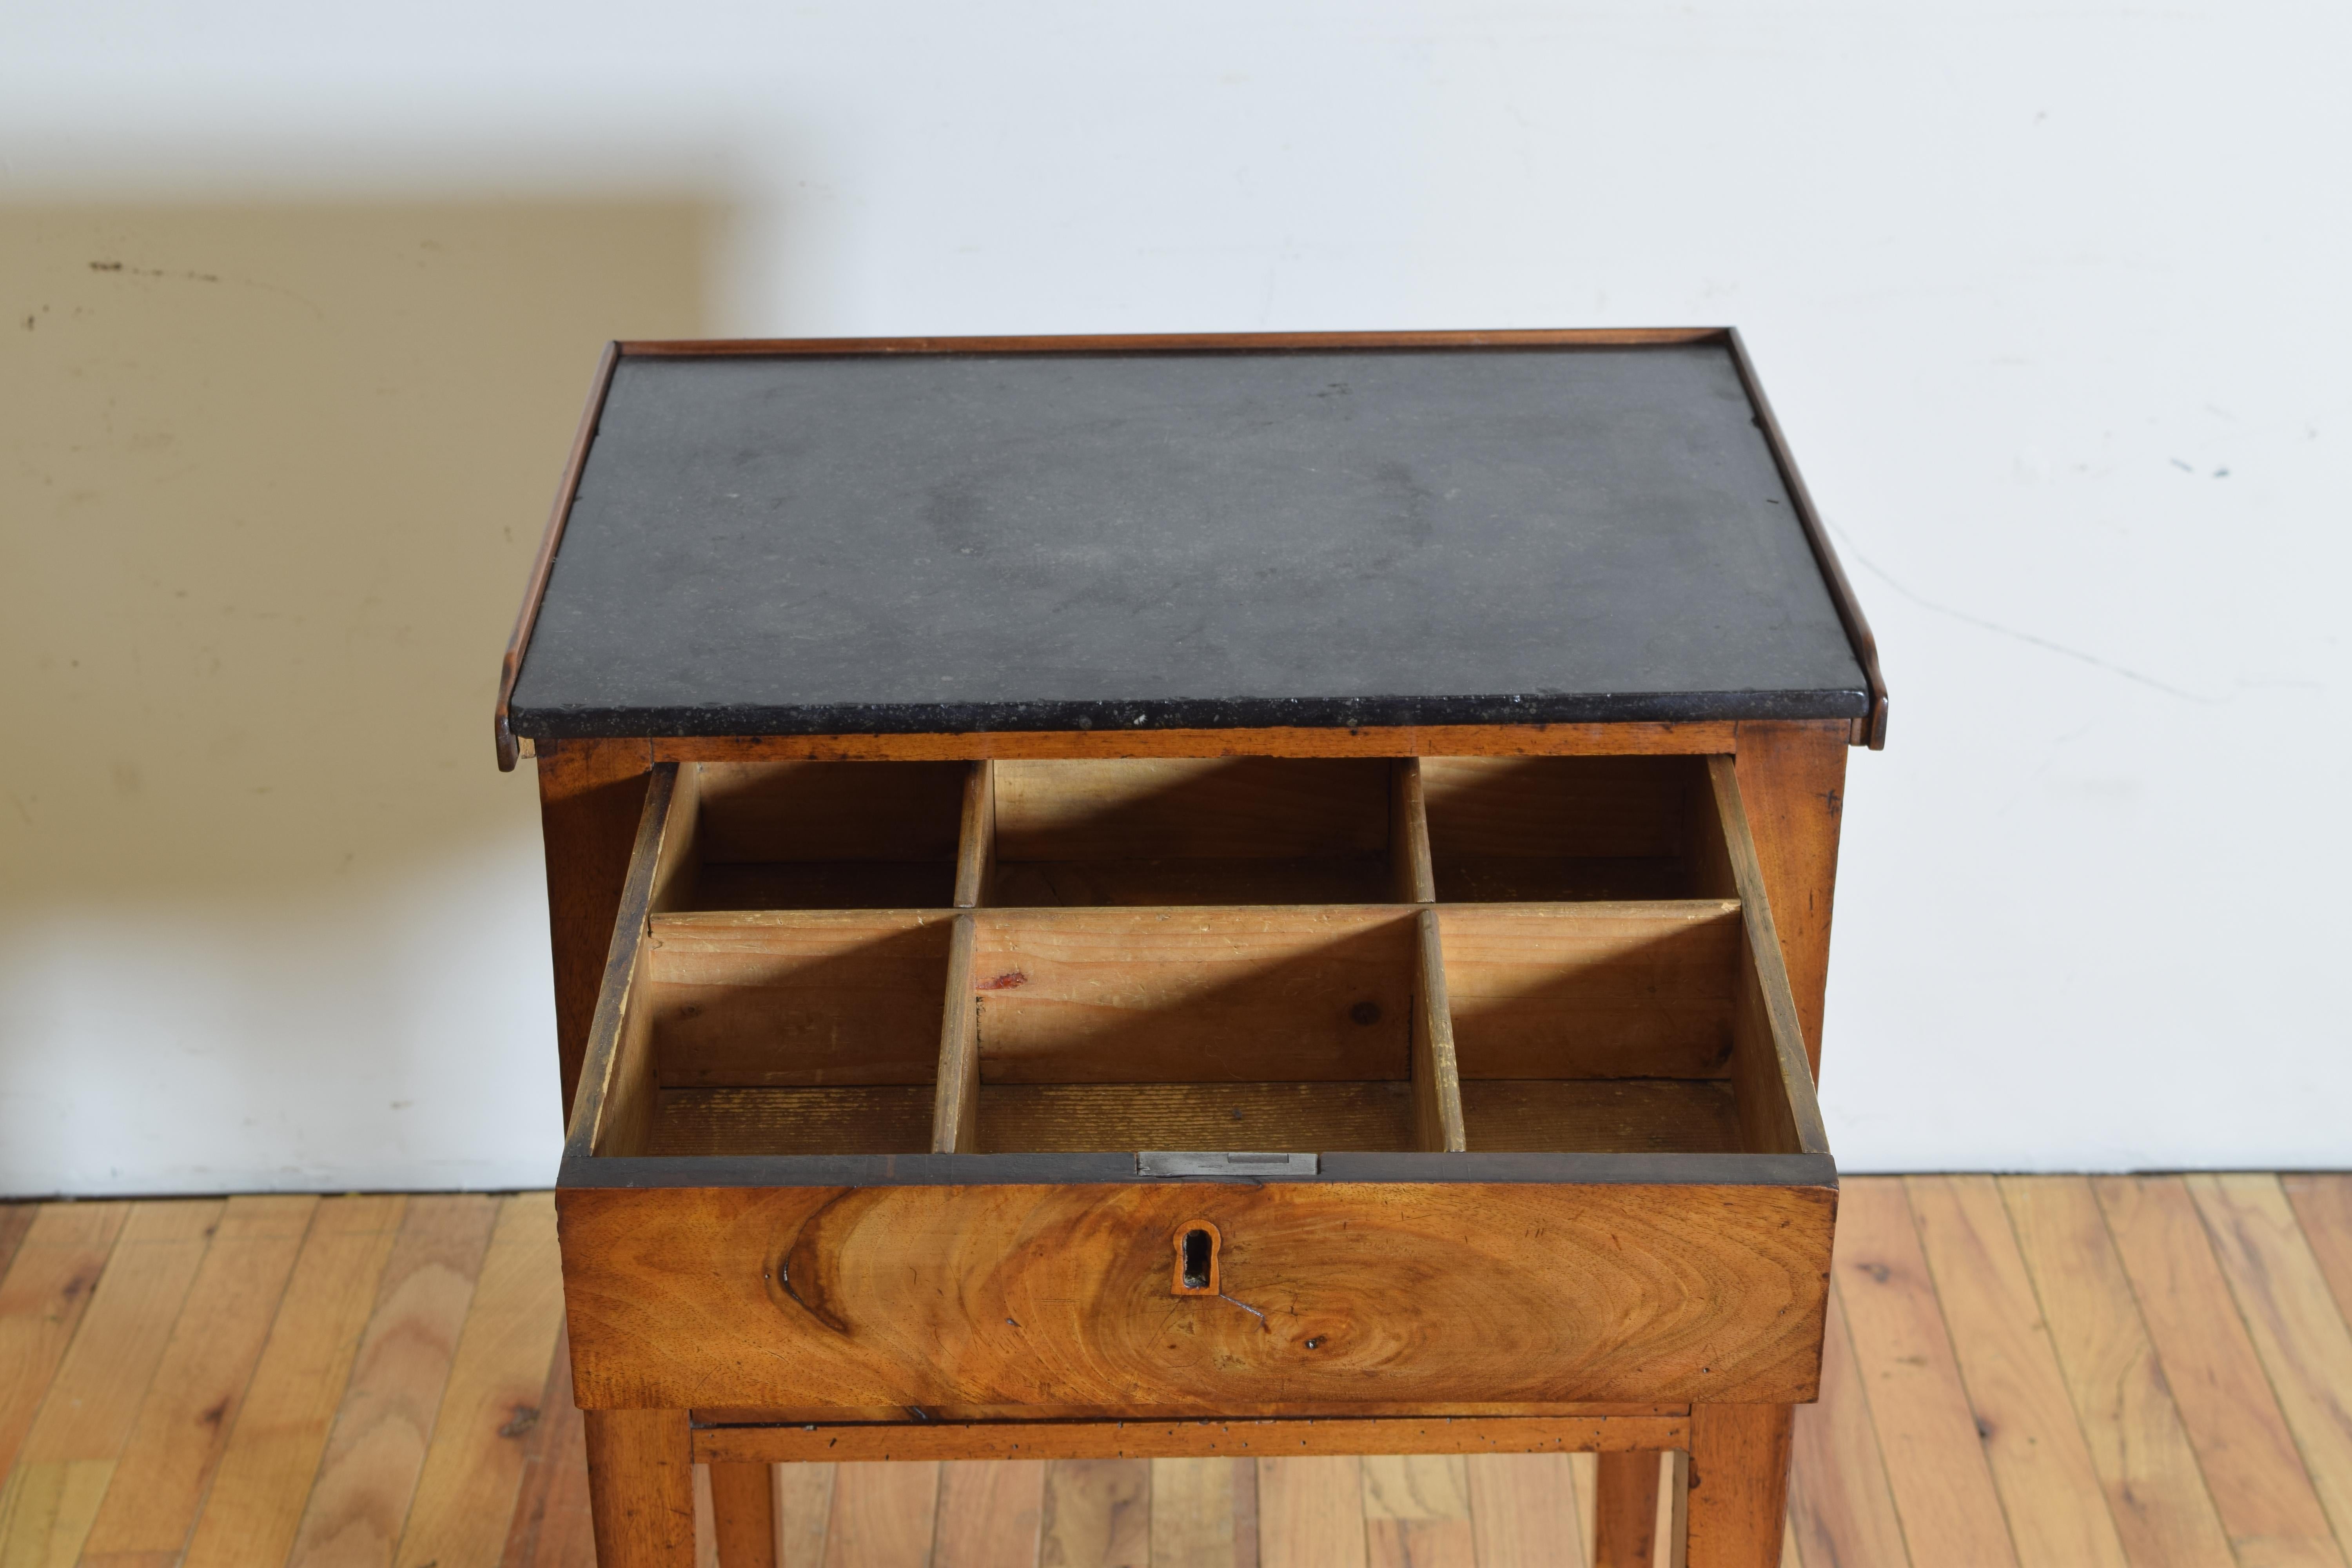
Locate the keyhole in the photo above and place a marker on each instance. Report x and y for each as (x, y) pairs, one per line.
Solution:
(1196, 1259)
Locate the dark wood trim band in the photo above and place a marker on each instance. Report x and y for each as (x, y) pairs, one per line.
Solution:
(581, 1170)
(1386, 740)
(1872, 729)
(535, 586)
(1130, 717)
(1178, 343)
(1187, 1440)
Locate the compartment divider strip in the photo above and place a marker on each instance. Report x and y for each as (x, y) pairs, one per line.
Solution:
(1436, 1080)
(955, 1110)
(1778, 1091)
(976, 838)
(1415, 879)
(612, 1108)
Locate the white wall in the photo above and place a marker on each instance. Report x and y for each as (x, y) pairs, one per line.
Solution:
(2051, 305)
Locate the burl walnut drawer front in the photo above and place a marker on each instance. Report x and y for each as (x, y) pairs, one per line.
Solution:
(1222, 1087)
(997, 1300)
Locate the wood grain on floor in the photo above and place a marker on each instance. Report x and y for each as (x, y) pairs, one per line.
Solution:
(2144, 1371)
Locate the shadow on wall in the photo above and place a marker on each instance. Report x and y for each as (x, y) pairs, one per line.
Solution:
(272, 478)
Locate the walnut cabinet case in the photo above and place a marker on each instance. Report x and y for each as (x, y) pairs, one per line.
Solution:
(1042, 972)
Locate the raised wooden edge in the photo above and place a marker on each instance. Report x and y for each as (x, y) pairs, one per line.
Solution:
(1871, 730)
(535, 585)
(1188, 1439)
(1628, 739)
(1771, 970)
(582, 1172)
(1179, 343)
(621, 961)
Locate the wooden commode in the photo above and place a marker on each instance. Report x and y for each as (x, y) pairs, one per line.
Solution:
(1189, 896)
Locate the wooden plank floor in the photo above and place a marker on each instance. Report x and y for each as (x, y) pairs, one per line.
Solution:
(2043, 1372)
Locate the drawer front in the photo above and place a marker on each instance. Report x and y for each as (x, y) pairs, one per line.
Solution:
(1330, 1296)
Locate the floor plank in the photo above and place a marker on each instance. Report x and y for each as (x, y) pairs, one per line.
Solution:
(706, 1533)
(1936, 1463)
(2154, 1491)
(1193, 1512)
(472, 1465)
(1247, 1549)
(2252, 1469)
(1417, 1512)
(2298, 1333)
(1585, 1469)
(1310, 1514)
(2049, 1488)
(1097, 1514)
(191, 1405)
(2323, 1207)
(42, 1298)
(266, 1472)
(551, 1527)
(1523, 1511)
(804, 1509)
(989, 1514)
(52, 1496)
(1841, 1512)
(15, 1219)
(376, 1447)
(883, 1516)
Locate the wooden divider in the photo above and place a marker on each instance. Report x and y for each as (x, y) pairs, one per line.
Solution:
(955, 1105)
(1414, 878)
(976, 838)
(955, 1112)
(1436, 1080)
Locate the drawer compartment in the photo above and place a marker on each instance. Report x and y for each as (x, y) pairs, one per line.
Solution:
(1217, 830)
(824, 836)
(1516, 1150)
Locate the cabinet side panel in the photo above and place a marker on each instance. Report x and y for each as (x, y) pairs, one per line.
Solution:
(591, 794)
(1792, 779)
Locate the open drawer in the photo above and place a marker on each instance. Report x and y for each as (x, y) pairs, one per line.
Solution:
(1234, 1086)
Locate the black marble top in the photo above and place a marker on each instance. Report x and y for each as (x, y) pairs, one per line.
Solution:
(906, 543)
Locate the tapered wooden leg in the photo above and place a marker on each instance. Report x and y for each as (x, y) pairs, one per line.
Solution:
(1625, 1511)
(1739, 1484)
(641, 1487)
(743, 1515)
